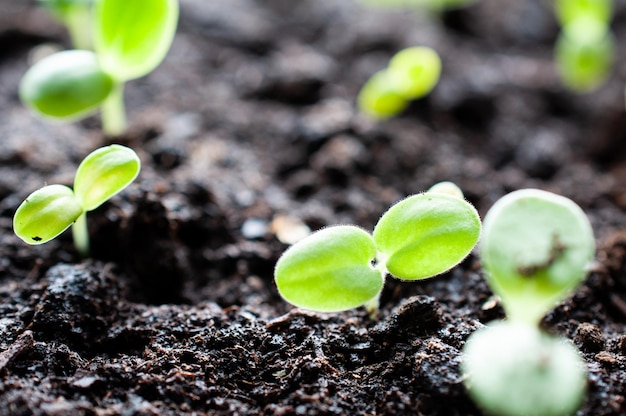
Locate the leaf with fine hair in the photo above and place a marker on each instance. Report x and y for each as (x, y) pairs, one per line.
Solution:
(330, 270)
(426, 234)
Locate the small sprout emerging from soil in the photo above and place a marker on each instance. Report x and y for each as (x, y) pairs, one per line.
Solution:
(514, 369)
(585, 47)
(343, 267)
(130, 41)
(76, 16)
(536, 247)
(49, 211)
(411, 74)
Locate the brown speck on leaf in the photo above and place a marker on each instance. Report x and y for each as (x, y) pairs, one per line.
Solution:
(36, 238)
(556, 251)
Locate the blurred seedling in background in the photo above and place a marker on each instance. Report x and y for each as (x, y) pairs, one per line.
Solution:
(76, 16)
(536, 248)
(585, 48)
(342, 267)
(130, 40)
(411, 74)
(49, 211)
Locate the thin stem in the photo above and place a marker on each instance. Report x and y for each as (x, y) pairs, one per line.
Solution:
(113, 112)
(81, 235)
(78, 23)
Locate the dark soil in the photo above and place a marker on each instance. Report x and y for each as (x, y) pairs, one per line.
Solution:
(251, 121)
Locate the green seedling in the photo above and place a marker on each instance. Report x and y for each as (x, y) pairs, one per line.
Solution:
(343, 267)
(49, 211)
(585, 48)
(411, 74)
(76, 16)
(130, 40)
(584, 54)
(514, 369)
(536, 248)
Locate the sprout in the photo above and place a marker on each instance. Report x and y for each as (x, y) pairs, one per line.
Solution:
(584, 54)
(130, 40)
(76, 16)
(535, 249)
(412, 73)
(49, 211)
(514, 369)
(342, 267)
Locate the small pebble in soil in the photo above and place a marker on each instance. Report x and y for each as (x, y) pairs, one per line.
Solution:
(589, 338)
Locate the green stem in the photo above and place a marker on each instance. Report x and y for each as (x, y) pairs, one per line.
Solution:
(78, 23)
(113, 112)
(81, 235)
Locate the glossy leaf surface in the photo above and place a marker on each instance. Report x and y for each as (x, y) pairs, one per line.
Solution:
(330, 270)
(426, 234)
(67, 84)
(104, 173)
(132, 37)
(45, 214)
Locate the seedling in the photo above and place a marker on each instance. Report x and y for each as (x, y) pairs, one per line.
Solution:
(130, 40)
(514, 369)
(536, 247)
(535, 250)
(76, 16)
(585, 47)
(411, 74)
(343, 267)
(49, 211)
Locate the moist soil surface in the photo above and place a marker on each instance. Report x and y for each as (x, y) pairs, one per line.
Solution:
(248, 134)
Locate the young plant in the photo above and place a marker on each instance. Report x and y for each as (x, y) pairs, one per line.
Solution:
(514, 369)
(411, 74)
(130, 40)
(76, 16)
(49, 211)
(536, 247)
(343, 267)
(585, 48)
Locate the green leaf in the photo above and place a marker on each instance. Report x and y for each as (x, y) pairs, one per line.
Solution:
(536, 247)
(131, 38)
(104, 173)
(414, 72)
(330, 270)
(378, 99)
(45, 214)
(427, 234)
(68, 84)
(512, 369)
